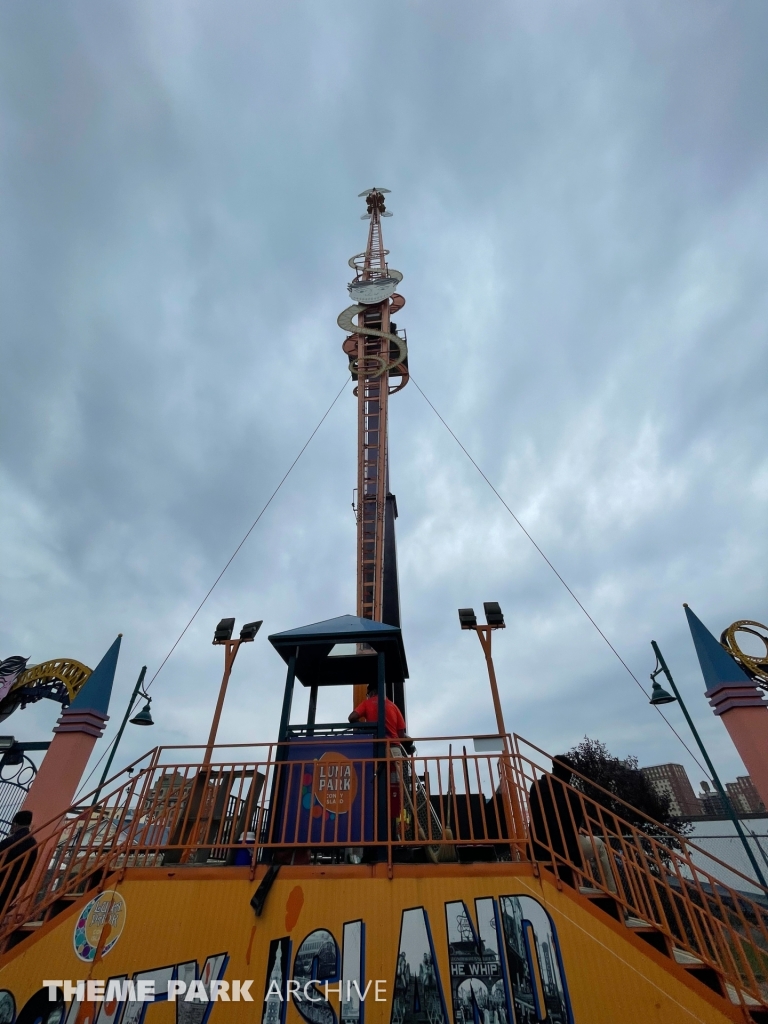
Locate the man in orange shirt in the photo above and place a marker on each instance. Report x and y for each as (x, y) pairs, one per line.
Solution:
(368, 711)
(394, 730)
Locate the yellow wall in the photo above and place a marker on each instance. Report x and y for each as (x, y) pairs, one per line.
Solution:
(193, 913)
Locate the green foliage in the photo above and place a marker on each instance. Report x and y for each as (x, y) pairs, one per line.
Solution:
(623, 779)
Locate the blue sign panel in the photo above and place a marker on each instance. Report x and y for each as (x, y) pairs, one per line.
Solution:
(326, 793)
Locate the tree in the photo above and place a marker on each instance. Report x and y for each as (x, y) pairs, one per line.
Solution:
(623, 779)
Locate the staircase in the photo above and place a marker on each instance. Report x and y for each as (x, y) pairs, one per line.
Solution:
(648, 882)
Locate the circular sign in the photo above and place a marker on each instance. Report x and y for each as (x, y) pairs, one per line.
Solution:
(335, 782)
(101, 921)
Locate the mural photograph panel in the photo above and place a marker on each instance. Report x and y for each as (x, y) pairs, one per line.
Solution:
(418, 996)
(478, 989)
(197, 1009)
(317, 959)
(352, 981)
(539, 990)
(275, 985)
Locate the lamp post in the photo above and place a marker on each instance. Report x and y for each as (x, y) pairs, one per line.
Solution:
(223, 637)
(199, 819)
(495, 620)
(142, 718)
(660, 696)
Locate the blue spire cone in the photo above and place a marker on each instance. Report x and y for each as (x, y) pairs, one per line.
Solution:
(95, 694)
(717, 666)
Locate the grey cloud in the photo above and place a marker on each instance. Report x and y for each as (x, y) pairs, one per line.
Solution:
(579, 198)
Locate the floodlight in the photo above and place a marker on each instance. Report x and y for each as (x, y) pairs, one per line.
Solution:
(493, 614)
(224, 631)
(467, 618)
(6, 742)
(250, 629)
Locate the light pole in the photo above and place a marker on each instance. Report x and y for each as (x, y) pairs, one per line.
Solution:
(142, 718)
(660, 696)
(223, 637)
(495, 620)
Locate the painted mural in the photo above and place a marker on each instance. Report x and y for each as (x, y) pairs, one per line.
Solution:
(327, 951)
(505, 968)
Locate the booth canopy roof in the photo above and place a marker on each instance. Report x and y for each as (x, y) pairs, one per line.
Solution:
(313, 645)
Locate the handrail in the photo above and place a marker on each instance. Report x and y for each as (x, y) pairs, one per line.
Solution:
(675, 837)
(433, 807)
(319, 725)
(656, 885)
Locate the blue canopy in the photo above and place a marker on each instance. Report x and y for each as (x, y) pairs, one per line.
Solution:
(313, 644)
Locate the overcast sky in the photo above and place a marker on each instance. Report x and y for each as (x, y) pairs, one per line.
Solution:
(579, 195)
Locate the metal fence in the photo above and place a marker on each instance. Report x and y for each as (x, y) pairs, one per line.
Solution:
(719, 839)
(15, 780)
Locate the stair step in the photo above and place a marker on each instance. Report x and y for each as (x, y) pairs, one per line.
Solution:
(69, 897)
(60, 905)
(733, 995)
(603, 901)
(698, 969)
(685, 958)
(708, 976)
(650, 934)
(657, 939)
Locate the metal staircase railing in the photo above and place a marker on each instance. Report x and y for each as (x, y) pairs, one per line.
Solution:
(649, 881)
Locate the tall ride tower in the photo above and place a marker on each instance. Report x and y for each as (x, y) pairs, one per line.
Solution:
(378, 360)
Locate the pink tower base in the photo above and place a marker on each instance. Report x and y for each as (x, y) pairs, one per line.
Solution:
(748, 728)
(59, 775)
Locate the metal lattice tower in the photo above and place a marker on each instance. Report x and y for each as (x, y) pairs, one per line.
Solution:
(378, 361)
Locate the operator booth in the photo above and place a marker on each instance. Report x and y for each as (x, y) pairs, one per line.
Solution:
(325, 788)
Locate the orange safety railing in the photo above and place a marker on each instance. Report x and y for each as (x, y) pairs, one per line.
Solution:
(581, 833)
(257, 807)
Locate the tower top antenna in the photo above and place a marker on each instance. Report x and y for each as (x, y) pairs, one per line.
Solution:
(374, 198)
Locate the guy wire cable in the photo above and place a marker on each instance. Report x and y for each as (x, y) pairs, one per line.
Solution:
(554, 570)
(248, 533)
(227, 565)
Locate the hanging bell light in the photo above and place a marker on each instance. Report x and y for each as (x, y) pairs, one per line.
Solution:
(144, 717)
(660, 696)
